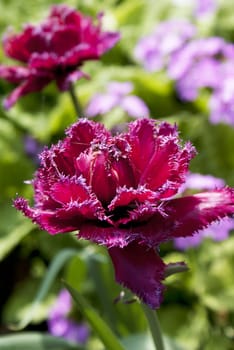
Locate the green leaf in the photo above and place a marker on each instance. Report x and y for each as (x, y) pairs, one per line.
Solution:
(54, 268)
(11, 239)
(144, 341)
(96, 322)
(35, 341)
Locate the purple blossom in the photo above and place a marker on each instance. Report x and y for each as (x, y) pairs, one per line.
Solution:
(205, 7)
(32, 148)
(117, 95)
(59, 323)
(154, 50)
(202, 182)
(217, 230)
(222, 100)
(198, 65)
(118, 191)
(200, 8)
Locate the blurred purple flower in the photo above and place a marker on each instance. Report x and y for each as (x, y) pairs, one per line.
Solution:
(117, 95)
(199, 64)
(207, 182)
(217, 230)
(222, 100)
(205, 7)
(60, 325)
(154, 50)
(32, 148)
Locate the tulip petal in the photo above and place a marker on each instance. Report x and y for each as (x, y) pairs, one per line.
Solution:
(64, 81)
(183, 217)
(32, 84)
(14, 74)
(141, 270)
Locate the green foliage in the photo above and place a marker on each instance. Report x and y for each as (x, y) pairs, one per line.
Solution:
(98, 325)
(36, 341)
(144, 341)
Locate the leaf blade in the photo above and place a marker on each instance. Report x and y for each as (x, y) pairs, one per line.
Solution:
(102, 329)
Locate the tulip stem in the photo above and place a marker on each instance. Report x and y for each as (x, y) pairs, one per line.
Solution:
(75, 101)
(154, 326)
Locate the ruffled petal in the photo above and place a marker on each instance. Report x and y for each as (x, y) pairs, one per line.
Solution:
(15, 74)
(32, 84)
(64, 39)
(105, 234)
(107, 41)
(131, 204)
(82, 134)
(67, 218)
(69, 190)
(142, 140)
(193, 213)
(159, 161)
(183, 217)
(65, 80)
(44, 60)
(16, 45)
(141, 270)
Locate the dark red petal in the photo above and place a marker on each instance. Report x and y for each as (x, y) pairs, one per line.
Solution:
(65, 15)
(102, 233)
(15, 46)
(165, 129)
(193, 213)
(45, 61)
(106, 167)
(68, 190)
(185, 216)
(78, 54)
(61, 159)
(64, 39)
(120, 163)
(168, 167)
(101, 178)
(38, 41)
(142, 141)
(107, 41)
(141, 270)
(15, 74)
(157, 158)
(82, 134)
(64, 80)
(32, 84)
(126, 196)
(59, 220)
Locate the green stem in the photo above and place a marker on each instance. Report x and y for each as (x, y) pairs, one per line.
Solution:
(75, 101)
(173, 268)
(154, 326)
(101, 288)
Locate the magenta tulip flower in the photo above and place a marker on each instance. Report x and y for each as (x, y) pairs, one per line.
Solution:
(118, 191)
(53, 50)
